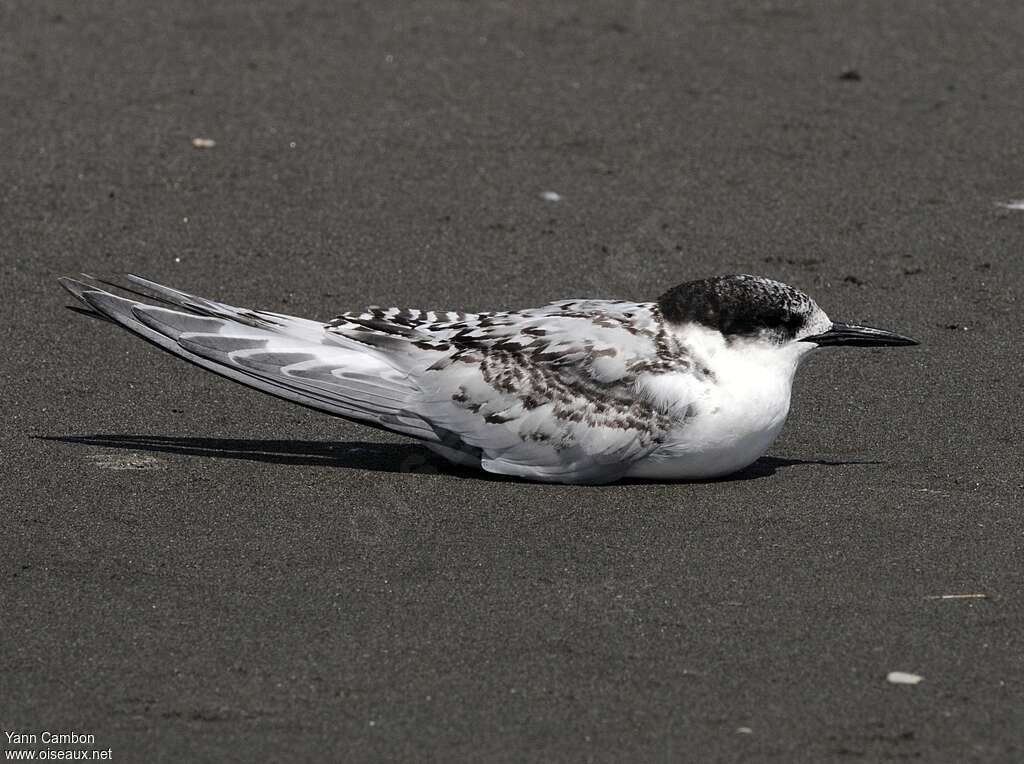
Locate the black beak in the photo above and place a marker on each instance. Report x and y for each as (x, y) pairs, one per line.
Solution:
(859, 336)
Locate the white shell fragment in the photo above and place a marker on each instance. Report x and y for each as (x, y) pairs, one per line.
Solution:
(902, 677)
(203, 143)
(551, 196)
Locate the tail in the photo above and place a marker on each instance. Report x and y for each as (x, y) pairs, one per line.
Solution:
(288, 357)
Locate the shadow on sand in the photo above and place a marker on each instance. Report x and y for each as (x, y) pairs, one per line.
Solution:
(380, 457)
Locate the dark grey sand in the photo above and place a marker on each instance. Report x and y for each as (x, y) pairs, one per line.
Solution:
(193, 571)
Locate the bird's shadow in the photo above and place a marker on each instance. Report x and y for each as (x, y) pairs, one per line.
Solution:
(380, 457)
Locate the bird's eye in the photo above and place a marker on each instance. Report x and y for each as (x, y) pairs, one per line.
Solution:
(773, 321)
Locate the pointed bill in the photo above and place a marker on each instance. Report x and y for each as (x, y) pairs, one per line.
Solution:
(859, 336)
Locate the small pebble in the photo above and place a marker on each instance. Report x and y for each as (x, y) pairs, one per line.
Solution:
(902, 677)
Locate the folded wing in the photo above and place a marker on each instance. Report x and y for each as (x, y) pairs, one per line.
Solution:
(285, 356)
(553, 393)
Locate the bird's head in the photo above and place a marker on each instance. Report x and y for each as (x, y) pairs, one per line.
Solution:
(770, 314)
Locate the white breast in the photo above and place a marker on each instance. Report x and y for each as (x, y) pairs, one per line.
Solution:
(735, 413)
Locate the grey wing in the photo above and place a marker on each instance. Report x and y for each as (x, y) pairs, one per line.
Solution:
(286, 356)
(550, 393)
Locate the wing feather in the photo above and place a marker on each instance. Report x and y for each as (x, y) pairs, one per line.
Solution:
(553, 393)
(361, 385)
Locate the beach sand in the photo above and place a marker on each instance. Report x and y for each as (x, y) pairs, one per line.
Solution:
(194, 571)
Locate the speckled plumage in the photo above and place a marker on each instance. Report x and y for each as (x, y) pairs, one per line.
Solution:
(534, 387)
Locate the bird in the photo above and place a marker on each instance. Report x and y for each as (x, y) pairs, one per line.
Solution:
(695, 385)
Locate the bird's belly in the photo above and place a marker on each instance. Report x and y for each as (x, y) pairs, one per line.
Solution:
(716, 442)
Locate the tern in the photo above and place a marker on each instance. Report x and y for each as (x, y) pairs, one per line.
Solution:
(692, 386)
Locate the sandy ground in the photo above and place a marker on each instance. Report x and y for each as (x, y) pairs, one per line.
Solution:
(192, 571)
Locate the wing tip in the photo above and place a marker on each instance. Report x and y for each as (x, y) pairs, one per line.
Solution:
(75, 287)
(97, 301)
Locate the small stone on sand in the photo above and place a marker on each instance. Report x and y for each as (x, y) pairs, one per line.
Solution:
(902, 677)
